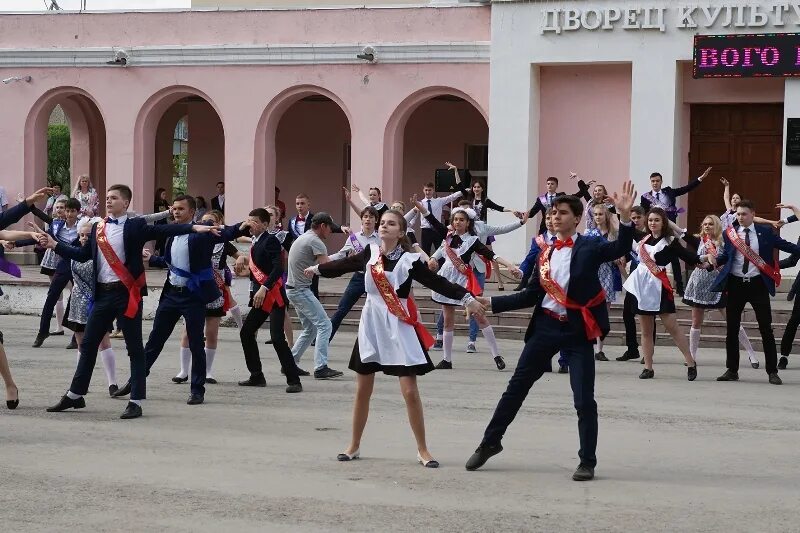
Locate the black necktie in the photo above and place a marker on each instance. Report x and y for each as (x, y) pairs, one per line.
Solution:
(550, 199)
(430, 209)
(746, 264)
(658, 199)
(110, 220)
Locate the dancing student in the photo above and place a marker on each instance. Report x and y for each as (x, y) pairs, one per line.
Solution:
(570, 314)
(606, 228)
(545, 201)
(481, 267)
(652, 289)
(749, 274)
(457, 250)
(599, 197)
(390, 338)
(66, 231)
(80, 302)
(411, 216)
(629, 303)
(160, 204)
(214, 310)
(429, 236)
(728, 218)
(665, 197)
(787, 340)
(202, 208)
(118, 284)
(86, 194)
(355, 244)
(267, 300)
(698, 289)
(372, 200)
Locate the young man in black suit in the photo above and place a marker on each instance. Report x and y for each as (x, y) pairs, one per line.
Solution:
(115, 247)
(218, 202)
(567, 320)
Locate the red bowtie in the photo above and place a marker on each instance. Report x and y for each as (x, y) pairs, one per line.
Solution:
(560, 244)
(301, 219)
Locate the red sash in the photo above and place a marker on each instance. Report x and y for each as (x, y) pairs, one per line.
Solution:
(472, 281)
(395, 307)
(557, 293)
(227, 300)
(134, 286)
(273, 296)
(661, 274)
(750, 255)
(711, 248)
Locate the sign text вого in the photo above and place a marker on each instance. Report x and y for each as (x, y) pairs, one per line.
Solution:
(778, 15)
(736, 56)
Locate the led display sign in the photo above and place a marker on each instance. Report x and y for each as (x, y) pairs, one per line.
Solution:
(746, 56)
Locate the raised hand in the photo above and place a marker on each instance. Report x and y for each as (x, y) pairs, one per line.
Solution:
(623, 201)
(725, 182)
(524, 217)
(346, 230)
(516, 272)
(41, 194)
(519, 214)
(346, 193)
(355, 188)
(705, 174)
(572, 175)
(450, 165)
(794, 208)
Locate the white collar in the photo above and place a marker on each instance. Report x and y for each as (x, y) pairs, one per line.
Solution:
(373, 234)
(751, 227)
(121, 220)
(654, 192)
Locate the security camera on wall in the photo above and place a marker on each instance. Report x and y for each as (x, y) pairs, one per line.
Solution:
(120, 58)
(368, 54)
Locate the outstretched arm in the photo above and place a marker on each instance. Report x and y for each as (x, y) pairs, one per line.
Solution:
(680, 191)
(790, 261)
(726, 194)
(339, 267)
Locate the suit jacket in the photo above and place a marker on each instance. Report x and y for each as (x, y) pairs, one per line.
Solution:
(266, 254)
(136, 232)
(789, 262)
(671, 194)
(588, 254)
(201, 248)
(539, 207)
(215, 204)
(14, 214)
(307, 226)
(768, 244)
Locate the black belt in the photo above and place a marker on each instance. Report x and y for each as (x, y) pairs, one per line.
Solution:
(177, 288)
(289, 286)
(746, 280)
(554, 315)
(113, 286)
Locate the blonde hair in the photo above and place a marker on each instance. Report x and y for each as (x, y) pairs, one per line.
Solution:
(716, 234)
(612, 224)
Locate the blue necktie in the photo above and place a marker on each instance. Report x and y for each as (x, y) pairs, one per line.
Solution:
(110, 220)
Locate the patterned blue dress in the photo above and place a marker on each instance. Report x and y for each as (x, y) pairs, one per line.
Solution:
(609, 274)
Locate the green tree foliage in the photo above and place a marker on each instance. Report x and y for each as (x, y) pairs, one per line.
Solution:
(58, 153)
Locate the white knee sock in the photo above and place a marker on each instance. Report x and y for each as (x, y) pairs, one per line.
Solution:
(694, 342)
(186, 362)
(598, 346)
(488, 334)
(745, 341)
(110, 365)
(236, 313)
(59, 314)
(447, 345)
(210, 353)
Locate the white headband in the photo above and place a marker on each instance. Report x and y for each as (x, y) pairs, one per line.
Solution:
(467, 211)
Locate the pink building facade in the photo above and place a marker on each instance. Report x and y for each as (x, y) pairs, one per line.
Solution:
(272, 98)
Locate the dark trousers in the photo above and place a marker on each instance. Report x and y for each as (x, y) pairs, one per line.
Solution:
(59, 283)
(354, 290)
(176, 303)
(315, 286)
(791, 328)
(430, 238)
(550, 336)
(629, 318)
(756, 294)
(255, 318)
(677, 275)
(109, 305)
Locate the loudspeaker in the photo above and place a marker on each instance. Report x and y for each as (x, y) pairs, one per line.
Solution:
(445, 179)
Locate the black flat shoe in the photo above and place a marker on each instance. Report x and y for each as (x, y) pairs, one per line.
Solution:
(600, 356)
(67, 403)
(131, 411)
(211, 381)
(176, 379)
(691, 372)
(349, 456)
(482, 454)
(124, 391)
(444, 365)
(583, 473)
(729, 375)
(195, 399)
(294, 388)
(774, 379)
(498, 361)
(13, 404)
(784, 361)
(300, 372)
(253, 382)
(112, 389)
(56, 333)
(39, 339)
(628, 356)
(433, 463)
(647, 374)
(73, 344)
(754, 364)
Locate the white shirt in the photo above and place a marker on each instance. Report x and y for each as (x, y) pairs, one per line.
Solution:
(738, 258)
(364, 240)
(114, 235)
(559, 272)
(68, 234)
(221, 198)
(179, 251)
(436, 205)
(727, 218)
(484, 231)
(3, 198)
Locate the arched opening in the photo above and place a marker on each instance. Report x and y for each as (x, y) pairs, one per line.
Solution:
(65, 138)
(428, 128)
(303, 146)
(179, 147)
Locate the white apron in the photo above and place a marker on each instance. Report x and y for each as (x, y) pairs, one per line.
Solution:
(451, 273)
(643, 284)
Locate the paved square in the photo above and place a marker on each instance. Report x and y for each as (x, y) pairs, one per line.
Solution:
(673, 455)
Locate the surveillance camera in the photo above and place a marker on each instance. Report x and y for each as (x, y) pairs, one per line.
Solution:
(17, 78)
(120, 58)
(368, 54)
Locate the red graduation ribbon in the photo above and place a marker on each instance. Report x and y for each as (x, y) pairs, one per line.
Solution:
(134, 286)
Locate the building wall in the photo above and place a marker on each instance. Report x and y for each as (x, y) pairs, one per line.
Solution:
(265, 4)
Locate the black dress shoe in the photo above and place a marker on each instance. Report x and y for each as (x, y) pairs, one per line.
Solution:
(482, 454)
(131, 411)
(300, 372)
(73, 344)
(783, 362)
(327, 373)
(729, 375)
(498, 361)
(691, 372)
(774, 379)
(13, 404)
(112, 389)
(754, 364)
(629, 355)
(176, 379)
(647, 373)
(583, 473)
(40, 339)
(195, 399)
(600, 356)
(294, 387)
(211, 381)
(444, 365)
(268, 341)
(56, 333)
(124, 391)
(67, 403)
(254, 382)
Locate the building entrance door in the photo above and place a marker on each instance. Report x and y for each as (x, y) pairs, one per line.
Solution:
(743, 142)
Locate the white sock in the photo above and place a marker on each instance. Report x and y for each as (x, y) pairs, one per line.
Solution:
(210, 353)
(186, 362)
(447, 346)
(598, 346)
(694, 342)
(438, 337)
(745, 341)
(137, 402)
(237, 316)
(110, 365)
(59, 314)
(488, 334)
(72, 396)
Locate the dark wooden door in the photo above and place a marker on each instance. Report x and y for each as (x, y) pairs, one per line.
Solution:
(743, 142)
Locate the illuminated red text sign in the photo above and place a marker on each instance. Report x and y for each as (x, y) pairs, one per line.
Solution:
(739, 56)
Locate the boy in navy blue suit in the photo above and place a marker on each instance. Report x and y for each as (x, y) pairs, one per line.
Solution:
(570, 313)
(115, 247)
